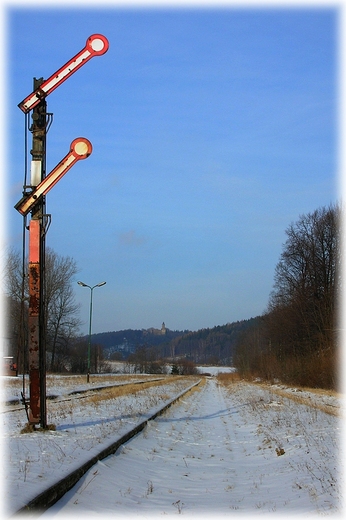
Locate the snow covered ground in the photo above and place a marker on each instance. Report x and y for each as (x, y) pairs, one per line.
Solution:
(11, 387)
(214, 371)
(223, 449)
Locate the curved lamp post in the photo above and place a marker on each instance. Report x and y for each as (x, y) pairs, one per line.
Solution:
(91, 309)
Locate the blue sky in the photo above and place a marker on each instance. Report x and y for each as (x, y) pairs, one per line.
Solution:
(212, 130)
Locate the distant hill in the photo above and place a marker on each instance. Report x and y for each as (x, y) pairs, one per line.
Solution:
(126, 341)
(209, 346)
(205, 346)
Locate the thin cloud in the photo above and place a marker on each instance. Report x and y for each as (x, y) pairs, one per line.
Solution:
(131, 238)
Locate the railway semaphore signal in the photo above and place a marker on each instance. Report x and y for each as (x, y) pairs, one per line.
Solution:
(34, 201)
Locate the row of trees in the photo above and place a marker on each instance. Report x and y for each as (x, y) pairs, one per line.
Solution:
(147, 360)
(295, 341)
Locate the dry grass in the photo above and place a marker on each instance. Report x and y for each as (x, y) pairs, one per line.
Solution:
(320, 391)
(300, 399)
(31, 428)
(226, 378)
(198, 387)
(75, 380)
(229, 379)
(129, 389)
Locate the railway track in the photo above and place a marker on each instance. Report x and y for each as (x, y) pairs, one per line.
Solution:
(52, 494)
(16, 404)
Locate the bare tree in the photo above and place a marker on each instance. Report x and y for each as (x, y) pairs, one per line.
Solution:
(15, 305)
(304, 303)
(61, 308)
(307, 277)
(146, 360)
(61, 311)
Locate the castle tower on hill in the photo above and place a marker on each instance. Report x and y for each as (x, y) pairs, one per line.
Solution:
(163, 328)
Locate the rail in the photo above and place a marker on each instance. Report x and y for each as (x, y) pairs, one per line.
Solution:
(47, 498)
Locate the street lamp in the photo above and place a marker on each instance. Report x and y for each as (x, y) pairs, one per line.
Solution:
(91, 309)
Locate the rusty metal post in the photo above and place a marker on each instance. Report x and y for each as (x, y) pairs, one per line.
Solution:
(37, 327)
(34, 317)
(43, 325)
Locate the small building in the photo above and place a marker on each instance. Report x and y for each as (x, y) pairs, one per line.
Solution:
(9, 367)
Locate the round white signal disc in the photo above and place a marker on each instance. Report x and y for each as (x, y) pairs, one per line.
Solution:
(81, 148)
(97, 45)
